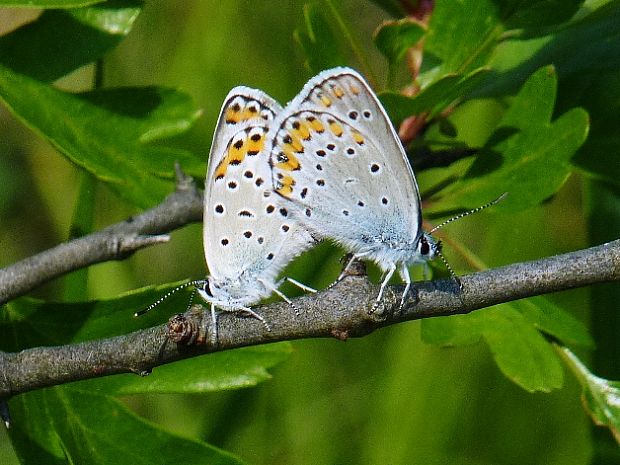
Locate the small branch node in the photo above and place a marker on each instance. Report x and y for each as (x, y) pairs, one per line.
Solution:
(340, 334)
(183, 181)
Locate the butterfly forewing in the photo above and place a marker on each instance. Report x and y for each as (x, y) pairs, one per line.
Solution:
(244, 230)
(337, 158)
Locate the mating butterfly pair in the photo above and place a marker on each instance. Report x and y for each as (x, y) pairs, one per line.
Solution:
(328, 166)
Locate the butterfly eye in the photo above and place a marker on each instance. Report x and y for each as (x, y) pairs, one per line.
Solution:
(425, 248)
(207, 288)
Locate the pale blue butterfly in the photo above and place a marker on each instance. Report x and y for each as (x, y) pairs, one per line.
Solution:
(341, 169)
(248, 238)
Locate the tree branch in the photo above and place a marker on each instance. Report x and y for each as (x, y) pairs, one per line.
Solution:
(112, 243)
(341, 311)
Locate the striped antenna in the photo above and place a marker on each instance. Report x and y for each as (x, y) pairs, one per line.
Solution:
(195, 283)
(447, 265)
(467, 213)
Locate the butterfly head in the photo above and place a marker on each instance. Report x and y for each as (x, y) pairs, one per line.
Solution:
(212, 291)
(428, 248)
(231, 293)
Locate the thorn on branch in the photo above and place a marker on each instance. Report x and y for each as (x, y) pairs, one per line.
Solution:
(183, 181)
(125, 246)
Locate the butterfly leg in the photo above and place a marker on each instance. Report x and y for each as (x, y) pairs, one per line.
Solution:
(279, 293)
(213, 325)
(356, 256)
(253, 314)
(386, 279)
(301, 286)
(404, 274)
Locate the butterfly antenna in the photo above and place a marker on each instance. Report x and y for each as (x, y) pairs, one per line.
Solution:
(194, 283)
(467, 213)
(191, 298)
(447, 265)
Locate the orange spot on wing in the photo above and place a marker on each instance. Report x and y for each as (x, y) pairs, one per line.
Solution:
(357, 137)
(338, 92)
(232, 116)
(336, 129)
(240, 114)
(291, 163)
(220, 171)
(316, 125)
(248, 114)
(255, 146)
(302, 131)
(295, 143)
(325, 101)
(234, 156)
(285, 186)
(354, 89)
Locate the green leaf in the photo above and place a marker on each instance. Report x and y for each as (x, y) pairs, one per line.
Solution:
(552, 320)
(601, 397)
(471, 34)
(59, 42)
(47, 3)
(527, 156)
(433, 99)
(461, 38)
(573, 50)
(317, 40)
(521, 353)
(393, 7)
(105, 132)
(230, 369)
(395, 38)
(63, 426)
(599, 93)
(75, 284)
(538, 13)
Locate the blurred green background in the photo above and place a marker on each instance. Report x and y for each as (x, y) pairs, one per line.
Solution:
(384, 399)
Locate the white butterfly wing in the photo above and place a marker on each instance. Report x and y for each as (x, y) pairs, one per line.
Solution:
(244, 231)
(336, 156)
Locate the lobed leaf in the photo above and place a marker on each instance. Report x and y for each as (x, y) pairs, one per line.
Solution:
(521, 353)
(552, 320)
(527, 156)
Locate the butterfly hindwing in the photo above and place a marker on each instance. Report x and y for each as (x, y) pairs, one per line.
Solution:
(244, 230)
(336, 156)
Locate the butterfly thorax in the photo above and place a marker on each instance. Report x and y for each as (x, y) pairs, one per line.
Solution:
(387, 249)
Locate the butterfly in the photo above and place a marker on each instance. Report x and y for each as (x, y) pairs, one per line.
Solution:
(248, 238)
(339, 166)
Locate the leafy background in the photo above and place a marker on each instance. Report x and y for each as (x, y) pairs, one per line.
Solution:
(539, 93)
